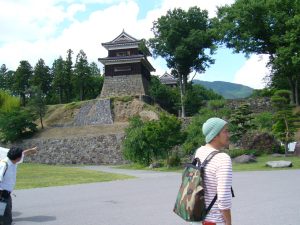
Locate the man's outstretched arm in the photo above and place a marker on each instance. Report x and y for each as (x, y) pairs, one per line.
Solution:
(30, 151)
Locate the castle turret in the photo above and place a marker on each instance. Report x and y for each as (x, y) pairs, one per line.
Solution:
(126, 68)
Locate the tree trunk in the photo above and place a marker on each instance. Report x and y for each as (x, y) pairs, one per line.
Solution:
(41, 120)
(292, 88)
(181, 96)
(297, 92)
(81, 93)
(22, 98)
(287, 134)
(60, 95)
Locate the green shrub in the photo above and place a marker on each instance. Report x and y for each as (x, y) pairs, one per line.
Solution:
(8, 102)
(146, 141)
(16, 124)
(174, 160)
(240, 122)
(238, 152)
(195, 137)
(263, 121)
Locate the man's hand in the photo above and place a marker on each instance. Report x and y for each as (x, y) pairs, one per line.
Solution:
(30, 151)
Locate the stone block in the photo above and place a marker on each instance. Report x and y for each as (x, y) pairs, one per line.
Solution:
(279, 164)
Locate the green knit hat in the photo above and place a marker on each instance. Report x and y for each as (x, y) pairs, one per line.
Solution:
(212, 127)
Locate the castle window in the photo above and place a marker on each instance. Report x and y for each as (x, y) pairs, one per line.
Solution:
(124, 53)
(122, 68)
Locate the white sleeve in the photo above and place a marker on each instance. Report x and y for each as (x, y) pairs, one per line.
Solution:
(3, 152)
(2, 170)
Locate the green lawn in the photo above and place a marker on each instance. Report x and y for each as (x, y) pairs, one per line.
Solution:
(40, 175)
(258, 166)
(261, 163)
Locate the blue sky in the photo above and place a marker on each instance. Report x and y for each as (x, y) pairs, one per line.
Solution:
(47, 29)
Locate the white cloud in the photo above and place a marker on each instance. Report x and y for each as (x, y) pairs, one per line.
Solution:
(36, 31)
(253, 72)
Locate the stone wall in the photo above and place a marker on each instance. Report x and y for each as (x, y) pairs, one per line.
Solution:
(257, 105)
(102, 149)
(125, 85)
(94, 113)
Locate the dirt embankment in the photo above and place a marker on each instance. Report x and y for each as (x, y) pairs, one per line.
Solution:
(58, 121)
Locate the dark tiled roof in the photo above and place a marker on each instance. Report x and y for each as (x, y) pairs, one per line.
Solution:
(167, 79)
(123, 38)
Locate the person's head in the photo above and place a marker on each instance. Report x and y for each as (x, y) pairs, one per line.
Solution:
(15, 154)
(216, 132)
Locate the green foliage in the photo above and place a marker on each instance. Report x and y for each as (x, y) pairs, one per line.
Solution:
(238, 152)
(21, 80)
(184, 40)
(146, 141)
(37, 104)
(195, 137)
(265, 92)
(240, 122)
(174, 160)
(266, 27)
(215, 105)
(82, 74)
(6, 78)
(196, 97)
(16, 124)
(41, 77)
(8, 102)
(263, 121)
(284, 126)
(168, 98)
(73, 105)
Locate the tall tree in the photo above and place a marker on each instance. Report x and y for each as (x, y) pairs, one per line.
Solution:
(68, 74)
(41, 77)
(95, 82)
(21, 82)
(263, 27)
(58, 77)
(37, 103)
(6, 78)
(3, 72)
(285, 125)
(82, 74)
(182, 38)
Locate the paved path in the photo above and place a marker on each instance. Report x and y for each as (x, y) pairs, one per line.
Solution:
(262, 198)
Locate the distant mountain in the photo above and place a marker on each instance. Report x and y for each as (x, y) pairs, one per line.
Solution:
(226, 89)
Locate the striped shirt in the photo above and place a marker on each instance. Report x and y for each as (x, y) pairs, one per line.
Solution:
(217, 179)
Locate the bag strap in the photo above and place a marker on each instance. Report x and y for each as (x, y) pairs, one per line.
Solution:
(215, 199)
(209, 157)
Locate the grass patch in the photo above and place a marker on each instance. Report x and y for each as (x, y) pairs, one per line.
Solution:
(142, 167)
(123, 98)
(32, 175)
(260, 165)
(74, 105)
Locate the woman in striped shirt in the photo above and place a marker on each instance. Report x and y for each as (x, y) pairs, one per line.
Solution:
(217, 173)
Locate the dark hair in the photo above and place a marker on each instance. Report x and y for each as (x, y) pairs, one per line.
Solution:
(14, 153)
